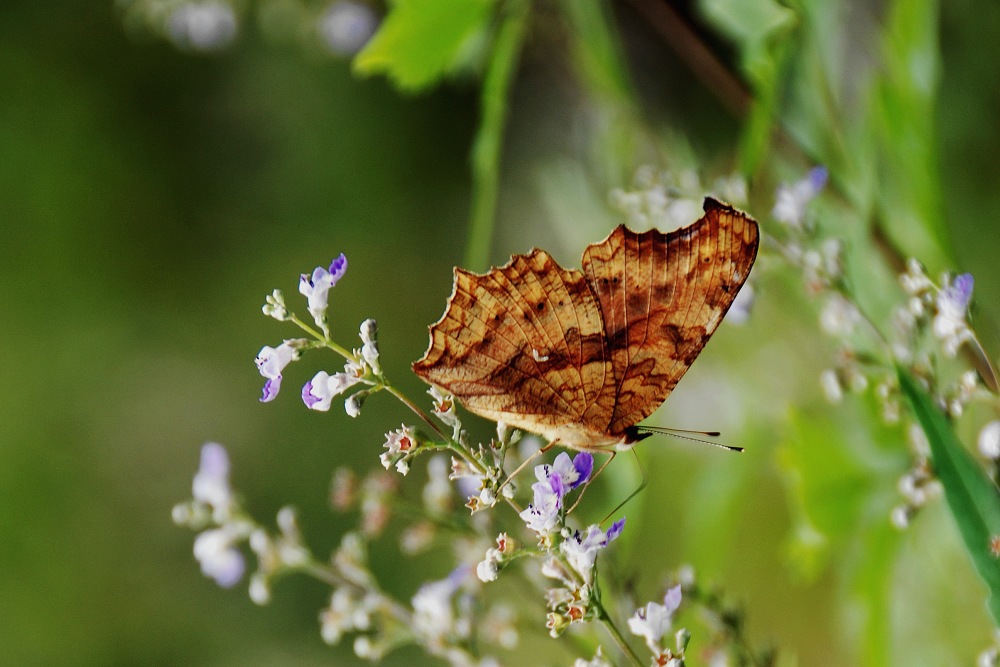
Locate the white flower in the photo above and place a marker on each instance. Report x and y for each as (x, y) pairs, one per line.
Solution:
(597, 661)
(437, 493)
(581, 549)
(832, 388)
(316, 288)
(653, 621)
(369, 345)
(274, 306)
(271, 362)
(347, 26)
(839, 316)
(791, 200)
(352, 406)
(487, 569)
(218, 556)
(433, 615)
(949, 322)
(318, 393)
(989, 440)
(211, 482)
(543, 514)
(202, 26)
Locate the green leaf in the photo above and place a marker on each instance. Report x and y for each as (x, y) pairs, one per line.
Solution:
(756, 27)
(973, 498)
(420, 41)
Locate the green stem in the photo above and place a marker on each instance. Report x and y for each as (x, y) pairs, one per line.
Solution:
(609, 625)
(321, 337)
(489, 139)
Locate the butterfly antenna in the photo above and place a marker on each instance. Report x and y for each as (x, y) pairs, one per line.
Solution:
(677, 433)
(642, 485)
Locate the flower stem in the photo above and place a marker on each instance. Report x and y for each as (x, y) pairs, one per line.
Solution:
(609, 625)
(489, 138)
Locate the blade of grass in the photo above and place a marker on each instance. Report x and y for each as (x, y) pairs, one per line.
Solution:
(973, 498)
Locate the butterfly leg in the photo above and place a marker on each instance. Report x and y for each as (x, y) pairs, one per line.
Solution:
(525, 463)
(642, 485)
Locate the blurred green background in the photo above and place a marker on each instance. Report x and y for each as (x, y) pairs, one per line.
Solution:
(150, 199)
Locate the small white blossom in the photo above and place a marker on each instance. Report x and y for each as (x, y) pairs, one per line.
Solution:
(832, 388)
(274, 306)
(654, 620)
(581, 549)
(437, 493)
(211, 482)
(346, 26)
(839, 316)
(597, 661)
(792, 200)
(369, 347)
(316, 288)
(949, 323)
(202, 26)
(318, 393)
(218, 556)
(352, 406)
(271, 362)
(989, 440)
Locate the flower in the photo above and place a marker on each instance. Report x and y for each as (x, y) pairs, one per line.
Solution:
(653, 621)
(544, 513)
(791, 200)
(271, 361)
(369, 347)
(597, 661)
(218, 556)
(989, 440)
(202, 26)
(572, 474)
(318, 393)
(211, 482)
(949, 322)
(433, 615)
(347, 26)
(274, 306)
(581, 549)
(399, 445)
(316, 287)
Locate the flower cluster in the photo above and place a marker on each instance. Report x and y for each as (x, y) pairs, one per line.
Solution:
(362, 365)
(342, 28)
(446, 617)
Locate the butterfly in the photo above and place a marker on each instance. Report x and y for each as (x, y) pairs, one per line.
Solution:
(581, 357)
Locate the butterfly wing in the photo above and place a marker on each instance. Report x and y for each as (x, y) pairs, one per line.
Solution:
(661, 297)
(523, 343)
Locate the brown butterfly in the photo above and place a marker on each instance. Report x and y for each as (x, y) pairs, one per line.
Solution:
(580, 357)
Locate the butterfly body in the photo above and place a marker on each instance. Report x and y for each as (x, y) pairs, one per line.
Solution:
(581, 356)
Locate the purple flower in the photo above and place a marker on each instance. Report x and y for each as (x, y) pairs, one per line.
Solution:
(653, 621)
(211, 482)
(316, 288)
(952, 303)
(271, 361)
(581, 549)
(220, 560)
(318, 393)
(792, 200)
(571, 473)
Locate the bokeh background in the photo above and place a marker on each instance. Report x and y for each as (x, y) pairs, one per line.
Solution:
(150, 197)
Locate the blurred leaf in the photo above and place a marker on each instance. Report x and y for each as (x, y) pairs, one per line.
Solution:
(909, 193)
(973, 498)
(600, 66)
(756, 28)
(838, 467)
(420, 41)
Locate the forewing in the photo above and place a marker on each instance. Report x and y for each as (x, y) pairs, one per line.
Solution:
(523, 343)
(661, 297)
